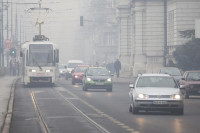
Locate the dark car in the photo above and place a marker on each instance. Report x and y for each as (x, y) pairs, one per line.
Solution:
(97, 78)
(172, 71)
(190, 83)
(77, 74)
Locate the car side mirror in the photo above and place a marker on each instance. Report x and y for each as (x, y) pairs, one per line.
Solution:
(131, 86)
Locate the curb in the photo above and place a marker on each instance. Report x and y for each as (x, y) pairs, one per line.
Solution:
(7, 120)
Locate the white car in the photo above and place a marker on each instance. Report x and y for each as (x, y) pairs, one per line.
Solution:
(156, 92)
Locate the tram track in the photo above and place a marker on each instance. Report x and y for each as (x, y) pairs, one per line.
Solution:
(43, 125)
(42, 122)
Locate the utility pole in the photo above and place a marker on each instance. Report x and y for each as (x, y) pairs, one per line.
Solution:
(165, 34)
(40, 22)
(7, 22)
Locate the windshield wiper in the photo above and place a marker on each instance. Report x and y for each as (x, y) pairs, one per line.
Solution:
(37, 64)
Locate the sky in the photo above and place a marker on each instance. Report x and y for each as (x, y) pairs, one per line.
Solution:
(61, 25)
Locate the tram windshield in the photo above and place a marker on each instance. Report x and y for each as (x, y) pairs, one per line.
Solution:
(41, 55)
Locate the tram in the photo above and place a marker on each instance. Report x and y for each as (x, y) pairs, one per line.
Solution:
(39, 61)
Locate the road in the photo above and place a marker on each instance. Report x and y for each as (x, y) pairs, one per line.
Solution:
(65, 108)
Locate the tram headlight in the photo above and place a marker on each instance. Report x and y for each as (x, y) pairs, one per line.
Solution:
(32, 70)
(49, 70)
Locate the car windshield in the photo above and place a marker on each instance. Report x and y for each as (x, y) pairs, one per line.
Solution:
(171, 71)
(62, 66)
(80, 69)
(98, 72)
(156, 81)
(73, 65)
(193, 76)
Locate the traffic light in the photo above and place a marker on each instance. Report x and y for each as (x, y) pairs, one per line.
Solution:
(81, 20)
(13, 52)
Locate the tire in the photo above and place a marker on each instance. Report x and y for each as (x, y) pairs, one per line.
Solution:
(73, 83)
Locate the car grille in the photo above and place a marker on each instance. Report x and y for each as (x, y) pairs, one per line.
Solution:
(159, 96)
(99, 80)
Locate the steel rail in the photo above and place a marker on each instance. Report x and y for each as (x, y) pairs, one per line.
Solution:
(98, 126)
(43, 125)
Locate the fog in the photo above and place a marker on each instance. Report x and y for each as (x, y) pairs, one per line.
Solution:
(61, 25)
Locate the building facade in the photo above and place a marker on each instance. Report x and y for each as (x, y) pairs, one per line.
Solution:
(149, 31)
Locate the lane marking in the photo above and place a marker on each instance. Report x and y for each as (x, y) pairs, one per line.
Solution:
(122, 125)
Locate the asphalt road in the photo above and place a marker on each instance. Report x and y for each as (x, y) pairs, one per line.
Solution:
(65, 108)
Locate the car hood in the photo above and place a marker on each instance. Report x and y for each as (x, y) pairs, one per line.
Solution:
(192, 82)
(99, 77)
(158, 91)
(177, 77)
(70, 69)
(62, 70)
(79, 74)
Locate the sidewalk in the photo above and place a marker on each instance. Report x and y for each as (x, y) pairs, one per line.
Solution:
(7, 85)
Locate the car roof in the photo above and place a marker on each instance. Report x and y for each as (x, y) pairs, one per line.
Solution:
(168, 68)
(155, 74)
(193, 71)
(82, 65)
(97, 67)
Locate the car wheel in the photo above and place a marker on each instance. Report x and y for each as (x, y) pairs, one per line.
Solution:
(134, 109)
(66, 78)
(73, 83)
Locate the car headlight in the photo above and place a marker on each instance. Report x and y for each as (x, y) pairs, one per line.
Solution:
(49, 70)
(142, 96)
(32, 70)
(109, 80)
(76, 76)
(88, 79)
(176, 96)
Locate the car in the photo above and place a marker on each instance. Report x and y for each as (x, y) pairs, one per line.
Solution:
(155, 92)
(97, 78)
(190, 83)
(71, 64)
(62, 70)
(77, 74)
(173, 71)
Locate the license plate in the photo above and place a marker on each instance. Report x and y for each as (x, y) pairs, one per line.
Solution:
(160, 102)
(99, 83)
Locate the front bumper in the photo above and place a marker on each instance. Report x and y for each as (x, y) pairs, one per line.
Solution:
(94, 85)
(158, 104)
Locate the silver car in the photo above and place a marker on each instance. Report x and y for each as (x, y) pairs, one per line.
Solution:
(156, 92)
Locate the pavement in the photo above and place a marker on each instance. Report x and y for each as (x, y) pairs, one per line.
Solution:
(126, 80)
(7, 85)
